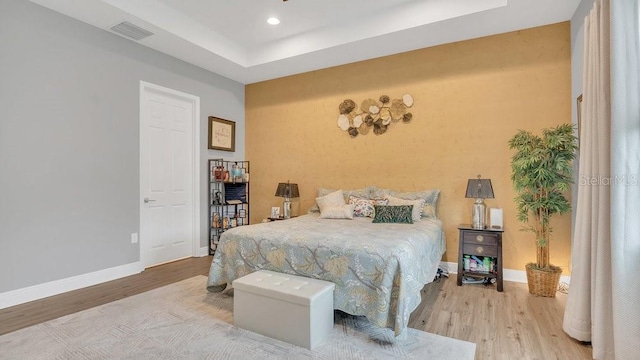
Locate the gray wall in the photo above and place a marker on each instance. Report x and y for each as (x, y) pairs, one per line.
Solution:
(69, 168)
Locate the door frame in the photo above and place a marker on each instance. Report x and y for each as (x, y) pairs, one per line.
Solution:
(146, 87)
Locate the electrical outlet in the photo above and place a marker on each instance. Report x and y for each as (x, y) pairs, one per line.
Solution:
(134, 238)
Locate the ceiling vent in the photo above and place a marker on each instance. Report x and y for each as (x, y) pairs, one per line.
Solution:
(131, 31)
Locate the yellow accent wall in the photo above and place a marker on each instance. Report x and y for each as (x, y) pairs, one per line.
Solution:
(470, 98)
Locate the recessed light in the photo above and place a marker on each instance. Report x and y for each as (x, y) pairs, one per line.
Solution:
(273, 21)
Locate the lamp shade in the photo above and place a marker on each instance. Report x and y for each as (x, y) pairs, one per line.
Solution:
(479, 188)
(287, 190)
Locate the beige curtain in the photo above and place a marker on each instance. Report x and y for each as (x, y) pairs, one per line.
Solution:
(588, 313)
(625, 165)
(603, 305)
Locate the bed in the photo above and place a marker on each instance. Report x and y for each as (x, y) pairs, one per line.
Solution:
(379, 269)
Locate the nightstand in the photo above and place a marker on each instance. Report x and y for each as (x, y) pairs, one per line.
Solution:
(479, 244)
(279, 218)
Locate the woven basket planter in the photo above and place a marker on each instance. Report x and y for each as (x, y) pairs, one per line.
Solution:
(543, 282)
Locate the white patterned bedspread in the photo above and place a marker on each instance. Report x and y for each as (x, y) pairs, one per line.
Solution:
(378, 269)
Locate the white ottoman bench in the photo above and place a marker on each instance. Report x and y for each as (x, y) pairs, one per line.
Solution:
(290, 308)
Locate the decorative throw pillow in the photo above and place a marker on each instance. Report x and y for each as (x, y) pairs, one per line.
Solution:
(400, 214)
(429, 209)
(364, 207)
(363, 193)
(334, 199)
(417, 205)
(338, 212)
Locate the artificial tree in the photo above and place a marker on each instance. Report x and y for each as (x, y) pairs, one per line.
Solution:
(542, 173)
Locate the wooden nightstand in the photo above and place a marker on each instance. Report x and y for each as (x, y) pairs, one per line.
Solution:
(480, 243)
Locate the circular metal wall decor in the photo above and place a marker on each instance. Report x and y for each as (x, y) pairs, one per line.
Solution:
(373, 114)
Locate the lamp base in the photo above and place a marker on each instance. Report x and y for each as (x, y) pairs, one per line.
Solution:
(479, 214)
(286, 208)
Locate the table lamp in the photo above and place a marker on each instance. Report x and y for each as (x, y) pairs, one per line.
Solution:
(287, 191)
(479, 189)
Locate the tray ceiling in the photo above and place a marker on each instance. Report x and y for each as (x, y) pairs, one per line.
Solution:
(233, 39)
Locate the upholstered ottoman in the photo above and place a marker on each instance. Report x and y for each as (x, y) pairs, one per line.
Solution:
(290, 308)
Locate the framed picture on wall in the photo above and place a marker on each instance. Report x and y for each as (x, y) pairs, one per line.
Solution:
(222, 134)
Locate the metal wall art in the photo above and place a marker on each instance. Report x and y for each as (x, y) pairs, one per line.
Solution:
(373, 114)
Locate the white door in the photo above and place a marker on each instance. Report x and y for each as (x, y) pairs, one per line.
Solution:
(168, 161)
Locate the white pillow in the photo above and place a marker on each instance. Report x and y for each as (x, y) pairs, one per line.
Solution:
(363, 193)
(416, 213)
(338, 212)
(331, 200)
(429, 210)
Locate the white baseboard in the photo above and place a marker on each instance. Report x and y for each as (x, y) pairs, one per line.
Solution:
(507, 274)
(35, 292)
(451, 267)
(204, 251)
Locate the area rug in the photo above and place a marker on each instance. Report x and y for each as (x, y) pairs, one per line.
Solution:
(184, 321)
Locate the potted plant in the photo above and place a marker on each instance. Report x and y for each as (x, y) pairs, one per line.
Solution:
(541, 175)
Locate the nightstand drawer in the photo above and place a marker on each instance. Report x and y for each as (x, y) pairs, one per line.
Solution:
(480, 250)
(482, 238)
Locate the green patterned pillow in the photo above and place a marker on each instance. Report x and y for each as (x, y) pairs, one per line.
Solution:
(393, 214)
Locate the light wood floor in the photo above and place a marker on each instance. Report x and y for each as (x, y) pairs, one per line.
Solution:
(508, 325)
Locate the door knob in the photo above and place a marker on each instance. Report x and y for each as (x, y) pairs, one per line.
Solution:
(147, 200)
